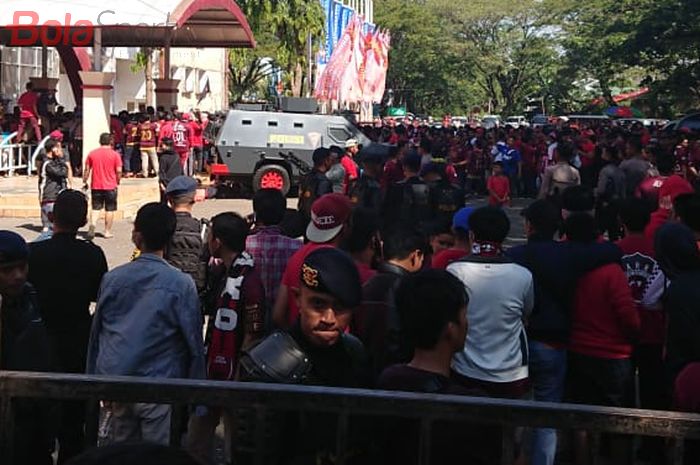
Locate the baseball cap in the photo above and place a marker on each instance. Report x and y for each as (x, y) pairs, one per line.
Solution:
(351, 143)
(461, 218)
(320, 154)
(328, 215)
(332, 271)
(186, 117)
(56, 135)
(13, 249)
(181, 185)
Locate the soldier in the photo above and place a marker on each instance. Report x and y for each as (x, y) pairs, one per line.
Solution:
(366, 192)
(408, 200)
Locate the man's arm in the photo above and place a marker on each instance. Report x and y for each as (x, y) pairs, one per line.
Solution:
(546, 181)
(623, 304)
(94, 343)
(189, 317)
(87, 171)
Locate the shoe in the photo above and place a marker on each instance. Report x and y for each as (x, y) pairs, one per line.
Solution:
(91, 233)
(108, 235)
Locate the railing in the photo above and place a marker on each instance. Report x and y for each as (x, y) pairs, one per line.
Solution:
(17, 156)
(264, 398)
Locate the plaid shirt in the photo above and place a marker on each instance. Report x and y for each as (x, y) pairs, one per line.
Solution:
(271, 251)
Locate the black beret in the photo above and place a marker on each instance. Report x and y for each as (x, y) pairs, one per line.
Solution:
(13, 248)
(332, 271)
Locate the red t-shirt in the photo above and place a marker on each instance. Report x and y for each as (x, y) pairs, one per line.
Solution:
(166, 130)
(26, 102)
(292, 277)
(351, 173)
(197, 130)
(116, 128)
(147, 135)
(104, 163)
(500, 185)
(393, 173)
(443, 258)
(366, 273)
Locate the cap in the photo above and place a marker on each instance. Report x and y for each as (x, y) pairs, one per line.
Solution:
(13, 248)
(461, 218)
(186, 117)
(320, 154)
(181, 185)
(351, 143)
(56, 135)
(328, 214)
(332, 271)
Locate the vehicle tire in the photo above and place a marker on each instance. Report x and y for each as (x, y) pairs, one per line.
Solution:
(272, 177)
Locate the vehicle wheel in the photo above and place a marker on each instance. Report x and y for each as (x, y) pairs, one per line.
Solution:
(271, 177)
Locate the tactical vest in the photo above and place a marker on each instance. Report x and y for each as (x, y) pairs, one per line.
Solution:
(186, 249)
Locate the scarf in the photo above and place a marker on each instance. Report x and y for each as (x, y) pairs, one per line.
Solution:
(486, 248)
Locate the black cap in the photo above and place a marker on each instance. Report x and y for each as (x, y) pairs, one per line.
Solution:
(13, 249)
(332, 271)
(320, 155)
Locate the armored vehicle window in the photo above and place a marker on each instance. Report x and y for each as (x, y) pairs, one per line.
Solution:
(339, 134)
(298, 124)
(272, 123)
(246, 122)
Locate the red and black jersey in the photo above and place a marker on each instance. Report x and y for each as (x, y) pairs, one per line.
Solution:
(148, 135)
(132, 134)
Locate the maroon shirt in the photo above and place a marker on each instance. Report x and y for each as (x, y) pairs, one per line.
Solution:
(147, 135)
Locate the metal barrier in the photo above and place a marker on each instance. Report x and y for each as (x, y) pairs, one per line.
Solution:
(263, 398)
(16, 156)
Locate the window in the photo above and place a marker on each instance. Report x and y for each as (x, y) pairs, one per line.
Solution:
(17, 65)
(272, 124)
(298, 125)
(246, 122)
(338, 133)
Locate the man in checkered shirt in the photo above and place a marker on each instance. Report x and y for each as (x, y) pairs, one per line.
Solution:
(269, 247)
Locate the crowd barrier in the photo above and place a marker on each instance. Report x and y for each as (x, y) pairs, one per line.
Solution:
(264, 398)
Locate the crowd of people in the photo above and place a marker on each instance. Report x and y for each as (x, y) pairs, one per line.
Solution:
(396, 285)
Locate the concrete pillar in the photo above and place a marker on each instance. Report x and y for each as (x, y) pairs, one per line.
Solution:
(166, 92)
(97, 93)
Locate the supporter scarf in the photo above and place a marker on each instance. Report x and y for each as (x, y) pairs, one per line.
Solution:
(226, 334)
(486, 249)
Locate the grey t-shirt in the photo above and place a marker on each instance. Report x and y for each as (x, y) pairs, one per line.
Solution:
(336, 175)
(636, 170)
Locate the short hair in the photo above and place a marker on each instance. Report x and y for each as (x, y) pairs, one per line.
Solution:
(364, 225)
(665, 162)
(336, 149)
(105, 138)
(412, 162)
(687, 207)
(426, 302)
(29, 85)
(231, 229)
(183, 199)
(70, 209)
(426, 145)
(128, 454)
(565, 151)
(580, 227)
(544, 217)
(635, 214)
(50, 145)
(489, 224)
(167, 142)
(578, 199)
(156, 223)
(401, 240)
(636, 143)
(269, 206)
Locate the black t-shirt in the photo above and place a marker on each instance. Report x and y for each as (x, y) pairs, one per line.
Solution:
(451, 442)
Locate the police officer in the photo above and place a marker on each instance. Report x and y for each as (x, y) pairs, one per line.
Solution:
(408, 200)
(366, 192)
(186, 250)
(315, 351)
(445, 197)
(315, 183)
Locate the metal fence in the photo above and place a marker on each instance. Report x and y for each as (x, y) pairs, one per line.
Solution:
(15, 156)
(265, 398)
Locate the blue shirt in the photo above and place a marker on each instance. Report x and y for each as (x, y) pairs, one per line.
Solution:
(147, 323)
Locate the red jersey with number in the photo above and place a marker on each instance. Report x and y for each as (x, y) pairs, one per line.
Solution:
(132, 134)
(147, 135)
(181, 137)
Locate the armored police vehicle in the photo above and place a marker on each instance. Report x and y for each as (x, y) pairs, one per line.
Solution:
(264, 149)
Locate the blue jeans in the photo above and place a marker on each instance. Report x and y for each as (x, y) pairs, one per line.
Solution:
(547, 373)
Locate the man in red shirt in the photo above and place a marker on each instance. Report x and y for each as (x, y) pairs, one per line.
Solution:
(28, 113)
(105, 166)
(348, 162)
(131, 150)
(148, 137)
(330, 215)
(498, 186)
(197, 143)
(182, 134)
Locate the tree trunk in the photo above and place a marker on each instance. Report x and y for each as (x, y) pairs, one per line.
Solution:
(148, 72)
(297, 79)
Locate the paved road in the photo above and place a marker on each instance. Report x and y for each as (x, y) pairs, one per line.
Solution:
(118, 250)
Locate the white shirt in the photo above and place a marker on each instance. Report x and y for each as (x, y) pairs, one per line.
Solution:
(501, 295)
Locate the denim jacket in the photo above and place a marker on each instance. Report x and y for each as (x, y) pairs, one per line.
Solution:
(147, 323)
